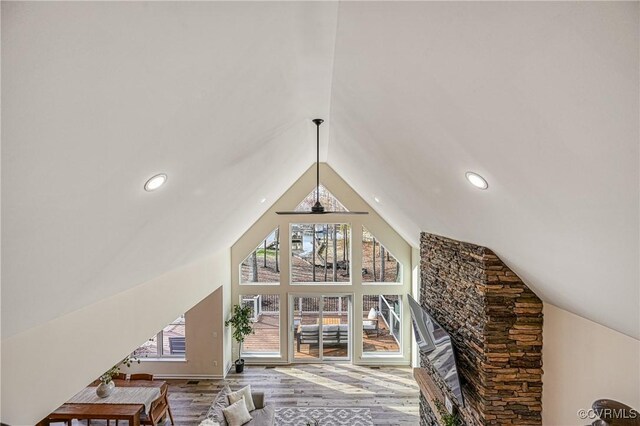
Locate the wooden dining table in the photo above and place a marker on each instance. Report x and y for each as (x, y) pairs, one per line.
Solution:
(97, 411)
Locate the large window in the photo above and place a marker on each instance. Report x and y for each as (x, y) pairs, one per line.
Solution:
(381, 323)
(378, 264)
(263, 264)
(169, 342)
(265, 317)
(327, 199)
(320, 252)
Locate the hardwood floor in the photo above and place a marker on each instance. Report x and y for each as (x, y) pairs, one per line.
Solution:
(390, 392)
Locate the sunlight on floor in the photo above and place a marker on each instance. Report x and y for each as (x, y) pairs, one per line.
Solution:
(324, 381)
(412, 410)
(370, 376)
(382, 375)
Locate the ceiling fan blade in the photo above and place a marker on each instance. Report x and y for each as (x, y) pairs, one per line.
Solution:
(302, 213)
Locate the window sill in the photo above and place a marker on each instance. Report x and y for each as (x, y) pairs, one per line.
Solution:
(255, 355)
(381, 283)
(327, 283)
(371, 355)
(163, 359)
(252, 283)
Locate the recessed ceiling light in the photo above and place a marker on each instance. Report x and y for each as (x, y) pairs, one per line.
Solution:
(155, 182)
(377, 200)
(477, 180)
(262, 201)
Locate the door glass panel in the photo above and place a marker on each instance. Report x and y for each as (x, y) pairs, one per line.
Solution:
(335, 327)
(306, 328)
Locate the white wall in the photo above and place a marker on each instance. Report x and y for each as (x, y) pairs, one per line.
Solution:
(204, 357)
(46, 365)
(584, 361)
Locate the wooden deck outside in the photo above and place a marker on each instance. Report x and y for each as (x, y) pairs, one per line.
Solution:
(267, 337)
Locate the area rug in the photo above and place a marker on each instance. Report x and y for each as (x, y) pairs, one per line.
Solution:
(300, 416)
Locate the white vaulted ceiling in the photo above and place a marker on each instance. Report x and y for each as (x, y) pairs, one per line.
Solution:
(539, 98)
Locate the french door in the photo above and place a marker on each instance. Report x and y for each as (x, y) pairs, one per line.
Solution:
(320, 327)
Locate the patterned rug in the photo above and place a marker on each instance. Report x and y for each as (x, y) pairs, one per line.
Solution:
(299, 416)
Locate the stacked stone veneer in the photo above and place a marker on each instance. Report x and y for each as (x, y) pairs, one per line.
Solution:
(427, 416)
(496, 325)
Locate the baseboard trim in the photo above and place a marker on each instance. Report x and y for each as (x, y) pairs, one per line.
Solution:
(383, 363)
(188, 376)
(227, 370)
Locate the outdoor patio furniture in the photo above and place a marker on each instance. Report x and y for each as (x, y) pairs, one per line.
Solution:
(371, 325)
(330, 335)
(177, 345)
(343, 334)
(309, 335)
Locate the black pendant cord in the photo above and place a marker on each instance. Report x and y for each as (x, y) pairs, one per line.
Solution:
(317, 207)
(317, 162)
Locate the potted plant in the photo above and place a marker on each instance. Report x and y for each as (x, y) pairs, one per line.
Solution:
(240, 321)
(106, 386)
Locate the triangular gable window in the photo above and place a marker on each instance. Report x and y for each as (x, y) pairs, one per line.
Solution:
(378, 264)
(263, 264)
(327, 199)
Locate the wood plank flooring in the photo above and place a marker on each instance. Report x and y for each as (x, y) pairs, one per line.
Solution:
(390, 392)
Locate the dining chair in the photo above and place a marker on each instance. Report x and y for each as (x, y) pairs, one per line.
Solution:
(141, 376)
(157, 412)
(165, 394)
(120, 376)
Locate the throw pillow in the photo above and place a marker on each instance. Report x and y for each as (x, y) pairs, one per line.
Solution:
(237, 395)
(373, 314)
(237, 413)
(215, 412)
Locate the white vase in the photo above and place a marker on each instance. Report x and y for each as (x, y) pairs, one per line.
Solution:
(105, 389)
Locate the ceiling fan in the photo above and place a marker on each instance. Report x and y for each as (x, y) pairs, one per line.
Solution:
(318, 208)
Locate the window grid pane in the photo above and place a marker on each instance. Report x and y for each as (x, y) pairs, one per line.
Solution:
(263, 264)
(168, 342)
(378, 264)
(265, 317)
(320, 253)
(381, 324)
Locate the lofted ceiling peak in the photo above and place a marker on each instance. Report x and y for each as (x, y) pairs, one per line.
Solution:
(539, 98)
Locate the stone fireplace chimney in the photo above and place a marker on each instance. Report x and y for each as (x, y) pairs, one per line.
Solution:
(495, 322)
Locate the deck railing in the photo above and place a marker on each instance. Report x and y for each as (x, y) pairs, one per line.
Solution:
(261, 303)
(390, 316)
(388, 307)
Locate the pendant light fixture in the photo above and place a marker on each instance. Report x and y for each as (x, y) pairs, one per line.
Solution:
(318, 208)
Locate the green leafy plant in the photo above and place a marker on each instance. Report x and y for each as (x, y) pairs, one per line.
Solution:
(447, 418)
(107, 377)
(240, 322)
(313, 422)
